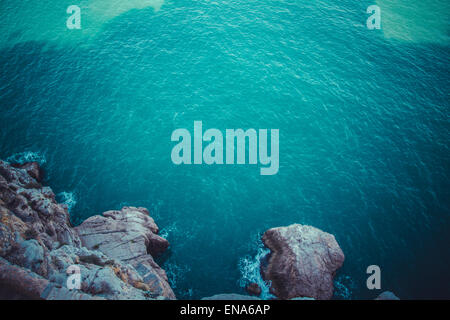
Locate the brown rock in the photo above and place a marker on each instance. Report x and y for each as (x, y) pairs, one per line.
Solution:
(24, 199)
(129, 235)
(302, 262)
(21, 283)
(32, 168)
(253, 289)
(38, 245)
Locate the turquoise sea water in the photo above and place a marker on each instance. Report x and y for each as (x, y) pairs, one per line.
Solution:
(363, 118)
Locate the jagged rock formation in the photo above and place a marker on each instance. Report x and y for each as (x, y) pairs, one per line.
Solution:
(302, 262)
(38, 245)
(115, 251)
(129, 235)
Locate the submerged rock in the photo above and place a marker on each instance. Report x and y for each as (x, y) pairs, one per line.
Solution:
(38, 245)
(387, 295)
(302, 262)
(254, 289)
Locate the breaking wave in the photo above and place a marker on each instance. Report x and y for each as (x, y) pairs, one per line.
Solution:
(27, 156)
(343, 287)
(68, 198)
(249, 266)
(175, 274)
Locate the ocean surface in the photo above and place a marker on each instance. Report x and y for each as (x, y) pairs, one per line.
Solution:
(363, 118)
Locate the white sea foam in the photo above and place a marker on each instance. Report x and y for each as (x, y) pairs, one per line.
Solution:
(175, 273)
(68, 198)
(250, 270)
(343, 287)
(27, 156)
(168, 231)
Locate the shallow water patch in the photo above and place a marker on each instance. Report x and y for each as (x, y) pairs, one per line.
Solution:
(31, 20)
(416, 21)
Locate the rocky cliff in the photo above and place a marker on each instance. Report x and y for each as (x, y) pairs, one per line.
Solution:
(113, 253)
